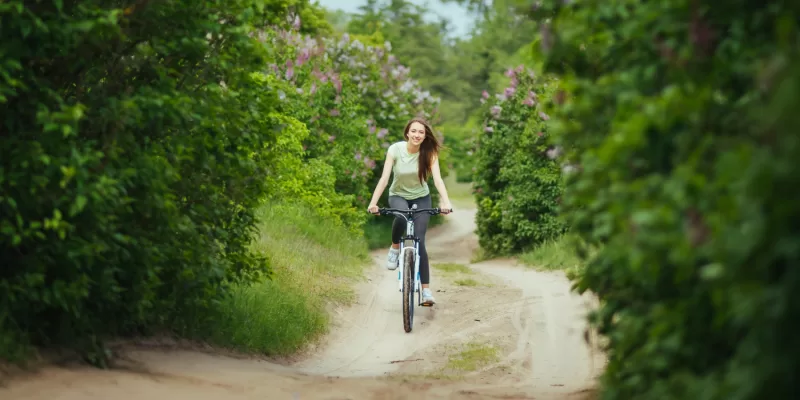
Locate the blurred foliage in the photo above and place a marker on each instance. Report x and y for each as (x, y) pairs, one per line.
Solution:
(679, 118)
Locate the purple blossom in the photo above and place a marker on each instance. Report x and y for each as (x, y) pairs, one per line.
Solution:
(358, 156)
(303, 57)
(334, 112)
(510, 73)
(544, 116)
(382, 133)
(509, 92)
(331, 138)
(337, 84)
(488, 129)
(528, 101)
(495, 110)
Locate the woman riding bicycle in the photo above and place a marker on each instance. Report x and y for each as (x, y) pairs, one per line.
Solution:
(412, 161)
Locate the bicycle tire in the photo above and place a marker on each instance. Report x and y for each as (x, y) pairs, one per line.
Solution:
(408, 290)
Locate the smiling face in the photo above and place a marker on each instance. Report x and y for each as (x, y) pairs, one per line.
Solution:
(416, 133)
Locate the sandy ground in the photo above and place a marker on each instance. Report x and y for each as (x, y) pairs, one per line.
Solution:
(529, 323)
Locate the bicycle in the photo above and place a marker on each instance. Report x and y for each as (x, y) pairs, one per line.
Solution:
(408, 276)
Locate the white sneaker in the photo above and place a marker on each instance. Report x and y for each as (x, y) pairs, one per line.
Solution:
(392, 261)
(427, 297)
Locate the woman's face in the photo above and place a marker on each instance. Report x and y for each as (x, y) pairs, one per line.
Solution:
(416, 133)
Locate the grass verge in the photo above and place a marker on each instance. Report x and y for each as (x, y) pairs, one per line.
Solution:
(452, 268)
(315, 264)
(467, 282)
(473, 356)
(558, 254)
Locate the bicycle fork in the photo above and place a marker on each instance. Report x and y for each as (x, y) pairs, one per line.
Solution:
(402, 260)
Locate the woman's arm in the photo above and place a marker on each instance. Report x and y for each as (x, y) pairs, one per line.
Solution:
(439, 183)
(381, 186)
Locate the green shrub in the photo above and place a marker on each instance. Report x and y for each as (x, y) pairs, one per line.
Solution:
(517, 183)
(136, 145)
(680, 118)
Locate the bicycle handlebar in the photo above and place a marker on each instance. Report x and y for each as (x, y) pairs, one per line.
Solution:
(409, 212)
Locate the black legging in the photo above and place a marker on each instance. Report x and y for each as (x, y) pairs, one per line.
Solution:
(420, 226)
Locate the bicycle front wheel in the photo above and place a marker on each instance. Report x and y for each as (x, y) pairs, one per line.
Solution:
(408, 290)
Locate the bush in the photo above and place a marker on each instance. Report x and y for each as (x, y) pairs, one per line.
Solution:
(517, 183)
(355, 97)
(136, 146)
(681, 122)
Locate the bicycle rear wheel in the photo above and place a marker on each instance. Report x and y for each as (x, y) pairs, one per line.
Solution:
(408, 290)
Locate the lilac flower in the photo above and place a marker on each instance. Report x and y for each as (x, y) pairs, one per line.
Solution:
(528, 101)
(510, 91)
(337, 84)
(289, 73)
(485, 94)
(357, 156)
(331, 138)
(372, 129)
(488, 129)
(334, 112)
(302, 57)
(544, 116)
(495, 110)
(382, 133)
(313, 87)
(510, 73)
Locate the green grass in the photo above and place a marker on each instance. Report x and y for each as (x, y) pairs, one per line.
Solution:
(453, 268)
(315, 264)
(467, 282)
(559, 254)
(460, 193)
(473, 356)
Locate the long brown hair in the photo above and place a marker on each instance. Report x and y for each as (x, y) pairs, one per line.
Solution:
(427, 150)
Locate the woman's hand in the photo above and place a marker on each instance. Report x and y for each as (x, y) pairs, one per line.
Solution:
(445, 207)
(373, 208)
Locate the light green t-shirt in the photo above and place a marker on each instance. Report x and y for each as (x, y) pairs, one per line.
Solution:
(406, 166)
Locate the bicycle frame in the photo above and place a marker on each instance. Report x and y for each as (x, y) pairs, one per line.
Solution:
(416, 286)
(410, 235)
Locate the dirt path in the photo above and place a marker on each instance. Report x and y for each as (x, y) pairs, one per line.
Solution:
(498, 331)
